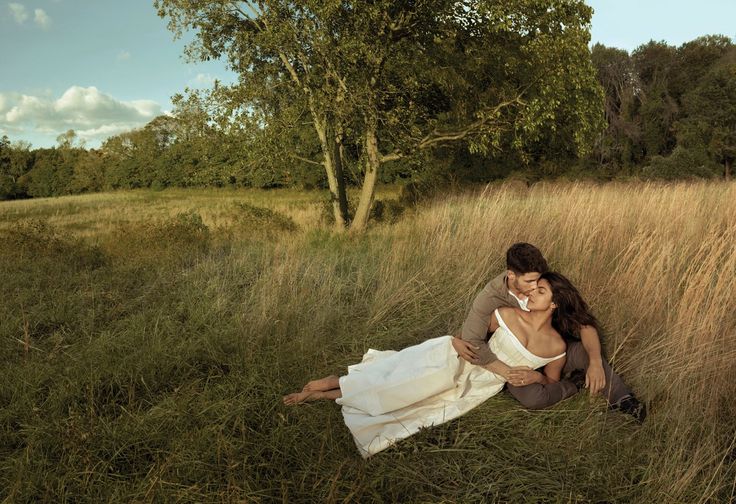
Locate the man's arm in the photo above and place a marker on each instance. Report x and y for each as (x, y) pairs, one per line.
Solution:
(595, 377)
(476, 324)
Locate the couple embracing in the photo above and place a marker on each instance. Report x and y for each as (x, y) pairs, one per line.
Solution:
(528, 329)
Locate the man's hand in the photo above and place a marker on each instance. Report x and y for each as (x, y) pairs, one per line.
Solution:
(595, 378)
(465, 350)
(520, 376)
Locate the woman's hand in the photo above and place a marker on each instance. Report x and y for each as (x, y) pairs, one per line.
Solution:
(521, 376)
(465, 350)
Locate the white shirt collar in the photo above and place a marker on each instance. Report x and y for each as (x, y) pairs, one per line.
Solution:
(522, 302)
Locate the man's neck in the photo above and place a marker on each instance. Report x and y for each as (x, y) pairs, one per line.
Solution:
(513, 291)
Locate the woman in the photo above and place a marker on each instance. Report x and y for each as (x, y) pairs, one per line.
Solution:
(391, 395)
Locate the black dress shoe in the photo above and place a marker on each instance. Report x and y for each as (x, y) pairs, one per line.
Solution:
(632, 406)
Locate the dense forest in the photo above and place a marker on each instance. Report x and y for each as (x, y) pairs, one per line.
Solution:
(472, 101)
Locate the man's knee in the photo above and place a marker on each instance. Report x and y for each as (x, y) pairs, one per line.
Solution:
(538, 403)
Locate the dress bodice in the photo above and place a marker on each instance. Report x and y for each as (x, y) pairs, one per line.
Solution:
(510, 351)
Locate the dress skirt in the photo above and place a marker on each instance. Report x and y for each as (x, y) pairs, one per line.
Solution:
(390, 395)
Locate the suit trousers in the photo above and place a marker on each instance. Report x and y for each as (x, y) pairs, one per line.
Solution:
(539, 396)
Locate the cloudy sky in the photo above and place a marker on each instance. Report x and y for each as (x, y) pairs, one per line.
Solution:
(101, 67)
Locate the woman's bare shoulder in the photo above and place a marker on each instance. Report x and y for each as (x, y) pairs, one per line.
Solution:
(558, 342)
(507, 312)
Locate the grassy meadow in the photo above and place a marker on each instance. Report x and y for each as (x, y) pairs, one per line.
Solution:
(146, 339)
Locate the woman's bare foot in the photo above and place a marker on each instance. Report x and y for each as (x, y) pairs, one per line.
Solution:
(311, 395)
(300, 397)
(327, 383)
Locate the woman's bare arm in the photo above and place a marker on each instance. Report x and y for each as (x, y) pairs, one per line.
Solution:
(499, 368)
(521, 376)
(553, 370)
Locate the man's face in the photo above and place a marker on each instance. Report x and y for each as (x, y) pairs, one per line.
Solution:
(524, 283)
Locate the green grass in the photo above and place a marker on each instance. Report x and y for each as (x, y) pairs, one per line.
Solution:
(146, 340)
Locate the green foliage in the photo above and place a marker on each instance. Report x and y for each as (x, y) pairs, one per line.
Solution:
(460, 92)
(711, 114)
(380, 81)
(683, 163)
(662, 97)
(616, 73)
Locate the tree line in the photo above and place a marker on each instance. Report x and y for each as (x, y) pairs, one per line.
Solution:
(332, 94)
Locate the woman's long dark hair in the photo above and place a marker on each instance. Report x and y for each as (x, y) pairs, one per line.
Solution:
(572, 311)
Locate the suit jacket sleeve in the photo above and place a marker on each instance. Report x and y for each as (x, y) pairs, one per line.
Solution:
(476, 324)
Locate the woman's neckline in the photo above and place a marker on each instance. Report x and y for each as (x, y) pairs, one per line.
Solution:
(502, 323)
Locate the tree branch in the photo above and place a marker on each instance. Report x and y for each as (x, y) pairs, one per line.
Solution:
(448, 136)
(439, 137)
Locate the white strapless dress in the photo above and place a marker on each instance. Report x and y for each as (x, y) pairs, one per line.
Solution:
(390, 395)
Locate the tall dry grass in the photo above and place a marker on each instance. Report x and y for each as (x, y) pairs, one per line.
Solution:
(151, 368)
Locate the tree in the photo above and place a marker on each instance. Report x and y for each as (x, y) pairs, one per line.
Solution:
(396, 77)
(88, 173)
(7, 183)
(509, 75)
(711, 115)
(620, 82)
(694, 60)
(69, 140)
(281, 49)
(655, 63)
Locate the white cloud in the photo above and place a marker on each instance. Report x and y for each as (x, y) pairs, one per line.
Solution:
(92, 114)
(42, 19)
(123, 56)
(18, 12)
(202, 80)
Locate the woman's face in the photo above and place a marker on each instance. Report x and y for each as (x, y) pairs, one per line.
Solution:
(541, 297)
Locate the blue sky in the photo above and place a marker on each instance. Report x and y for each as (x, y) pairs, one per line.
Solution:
(102, 67)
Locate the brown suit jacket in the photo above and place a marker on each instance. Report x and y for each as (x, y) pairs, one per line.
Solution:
(494, 295)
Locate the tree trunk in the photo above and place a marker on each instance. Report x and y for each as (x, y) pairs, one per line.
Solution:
(333, 167)
(727, 171)
(372, 165)
(342, 192)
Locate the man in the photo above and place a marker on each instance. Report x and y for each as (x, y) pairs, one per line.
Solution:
(585, 365)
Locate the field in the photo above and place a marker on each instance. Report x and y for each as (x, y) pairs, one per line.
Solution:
(146, 339)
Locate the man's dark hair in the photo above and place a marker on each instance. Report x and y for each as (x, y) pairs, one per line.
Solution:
(524, 258)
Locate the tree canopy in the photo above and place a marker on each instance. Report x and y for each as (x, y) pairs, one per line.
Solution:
(335, 94)
(381, 80)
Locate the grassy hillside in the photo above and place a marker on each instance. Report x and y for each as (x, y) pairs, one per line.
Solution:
(146, 340)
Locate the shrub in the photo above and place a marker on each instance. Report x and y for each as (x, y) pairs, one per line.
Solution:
(36, 240)
(681, 164)
(389, 210)
(252, 217)
(180, 238)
